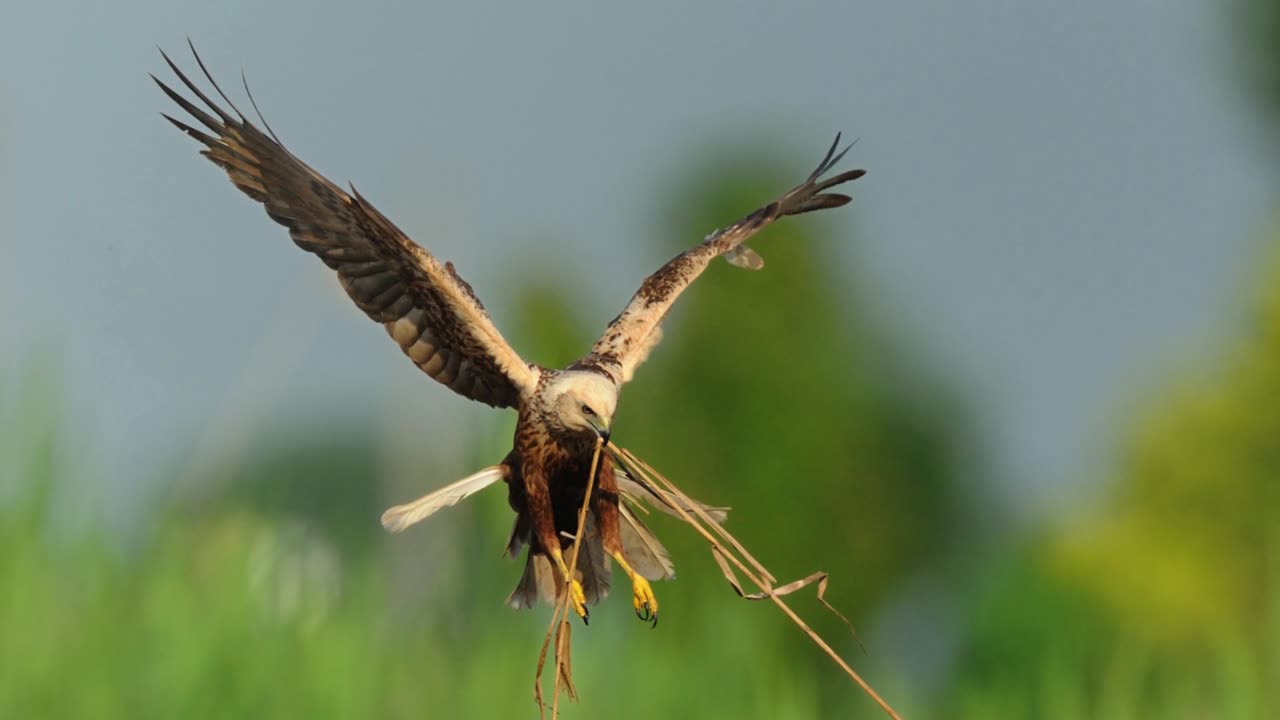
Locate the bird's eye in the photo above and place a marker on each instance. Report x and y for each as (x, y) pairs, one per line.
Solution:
(587, 411)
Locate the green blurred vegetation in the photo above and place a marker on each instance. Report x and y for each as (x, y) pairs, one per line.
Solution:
(1164, 599)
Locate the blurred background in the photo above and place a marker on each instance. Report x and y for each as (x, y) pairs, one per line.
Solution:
(1020, 399)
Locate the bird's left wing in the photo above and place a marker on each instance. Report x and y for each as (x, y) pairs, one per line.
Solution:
(433, 315)
(635, 331)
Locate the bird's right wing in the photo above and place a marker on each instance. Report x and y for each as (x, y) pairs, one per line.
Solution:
(431, 313)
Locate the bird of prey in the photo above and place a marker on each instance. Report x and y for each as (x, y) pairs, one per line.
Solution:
(439, 323)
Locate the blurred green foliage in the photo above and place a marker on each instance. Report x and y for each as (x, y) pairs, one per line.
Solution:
(1164, 600)
(1257, 55)
(1198, 501)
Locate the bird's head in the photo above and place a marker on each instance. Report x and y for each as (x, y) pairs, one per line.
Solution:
(583, 402)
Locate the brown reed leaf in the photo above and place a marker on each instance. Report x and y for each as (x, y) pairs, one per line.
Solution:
(756, 574)
(819, 577)
(560, 615)
(734, 555)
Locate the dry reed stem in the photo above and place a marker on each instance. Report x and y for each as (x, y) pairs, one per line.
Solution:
(560, 617)
(761, 580)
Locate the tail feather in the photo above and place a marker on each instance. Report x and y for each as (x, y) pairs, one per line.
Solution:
(541, 579)
(537, 583)
(520, 536)
(593, 564)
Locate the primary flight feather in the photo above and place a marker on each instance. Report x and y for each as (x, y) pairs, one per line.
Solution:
(440, 324)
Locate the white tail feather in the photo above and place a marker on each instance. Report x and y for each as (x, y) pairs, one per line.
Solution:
(402, 516)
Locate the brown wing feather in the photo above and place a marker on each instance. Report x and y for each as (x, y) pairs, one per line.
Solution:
(635, 331)
(431, 313)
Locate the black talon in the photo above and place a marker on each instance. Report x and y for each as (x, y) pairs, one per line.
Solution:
(654, 624)
(586, 616)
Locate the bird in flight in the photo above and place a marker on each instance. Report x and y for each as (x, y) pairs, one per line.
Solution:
(440, 324)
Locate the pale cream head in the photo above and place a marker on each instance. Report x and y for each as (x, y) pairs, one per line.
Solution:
(583, 401)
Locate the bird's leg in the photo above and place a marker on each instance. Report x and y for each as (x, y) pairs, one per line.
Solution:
(572, 586)
(606, 507)
(542, 518)
(642, 597)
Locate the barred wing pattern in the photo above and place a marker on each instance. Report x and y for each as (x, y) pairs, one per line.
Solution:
(636, 330)
(431, 313)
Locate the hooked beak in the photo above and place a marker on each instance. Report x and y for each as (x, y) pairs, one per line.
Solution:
(602, 430)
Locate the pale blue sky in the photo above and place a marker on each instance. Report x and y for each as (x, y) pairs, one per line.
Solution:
(1062, 195)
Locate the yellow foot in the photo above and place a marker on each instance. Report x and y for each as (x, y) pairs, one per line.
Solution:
(646, 603)
(579, 600)
(576, 595)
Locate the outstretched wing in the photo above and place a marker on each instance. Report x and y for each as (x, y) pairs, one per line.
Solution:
(431, 313)
(629, 338)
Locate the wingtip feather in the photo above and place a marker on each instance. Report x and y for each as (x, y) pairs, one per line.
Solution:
(822, 202)
(204, 138)
(209, 76)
